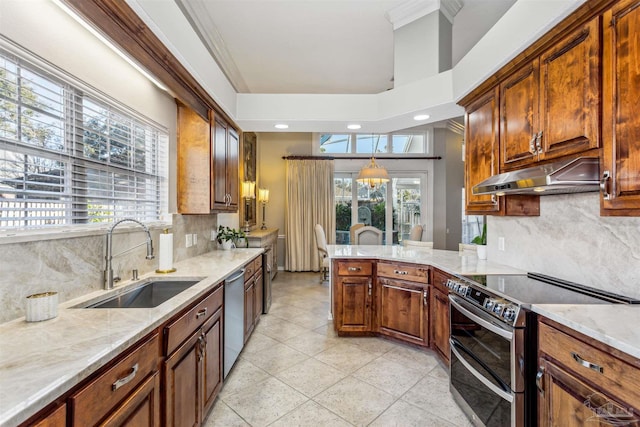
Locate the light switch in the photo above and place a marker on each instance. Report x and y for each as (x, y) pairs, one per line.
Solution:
(195, 239)
(501, 243)
(189, 240)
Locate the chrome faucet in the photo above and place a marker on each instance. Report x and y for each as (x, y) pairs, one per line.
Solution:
(108, 270)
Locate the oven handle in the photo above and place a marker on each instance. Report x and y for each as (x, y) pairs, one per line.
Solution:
(497, 390)
(496, 329)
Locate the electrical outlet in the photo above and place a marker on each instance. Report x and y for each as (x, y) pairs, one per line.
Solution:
(195, 239)
(214, 235)
(189, 240)
(501, 243)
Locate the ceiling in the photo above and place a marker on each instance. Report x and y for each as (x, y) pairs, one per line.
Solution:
(320, 46)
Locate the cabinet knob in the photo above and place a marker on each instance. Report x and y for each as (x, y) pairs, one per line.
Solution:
(354, 269)
(125, 380)
(540, 380)
(201, 313)
(425, 294)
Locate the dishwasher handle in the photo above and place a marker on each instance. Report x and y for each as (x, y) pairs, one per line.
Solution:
(236, 277)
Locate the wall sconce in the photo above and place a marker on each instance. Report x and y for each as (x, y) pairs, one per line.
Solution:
(263, 197)
(248, 193)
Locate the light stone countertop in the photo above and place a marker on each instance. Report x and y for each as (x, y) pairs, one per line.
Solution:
(40, 361)
(616, 325)
(452, 262)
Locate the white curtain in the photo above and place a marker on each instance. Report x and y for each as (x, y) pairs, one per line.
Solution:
(309, 201)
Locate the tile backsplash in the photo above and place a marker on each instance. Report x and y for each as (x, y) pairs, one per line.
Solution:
(74, 266)
(571, 241)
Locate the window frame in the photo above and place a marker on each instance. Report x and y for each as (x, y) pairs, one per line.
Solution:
(153, 133)
(353, 144)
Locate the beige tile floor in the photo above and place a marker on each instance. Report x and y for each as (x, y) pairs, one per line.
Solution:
(295, 371)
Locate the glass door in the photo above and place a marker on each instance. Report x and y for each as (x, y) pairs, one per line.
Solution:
(406, 195)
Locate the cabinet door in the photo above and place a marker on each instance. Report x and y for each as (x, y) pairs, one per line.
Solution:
(57, 418)
(140, 409)
(481, 152)
(519, 118)
(570, 93)
(440, 323)
(182, 377)
(193, 163)
(621, 103)
(219, 194)
(566, 401)
(403, 310)
(257, 301)
(231, 178)
(249, 301)
(353, 304)
(212, 360)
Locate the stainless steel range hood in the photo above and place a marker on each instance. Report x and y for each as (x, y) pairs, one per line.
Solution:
(570, 176)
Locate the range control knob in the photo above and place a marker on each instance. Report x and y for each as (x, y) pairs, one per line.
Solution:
(462, 290)
(509, 313)
(499, 307)
(489, 303)
(450, 283)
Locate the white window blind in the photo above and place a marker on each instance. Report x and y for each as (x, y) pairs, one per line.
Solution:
(71, 155)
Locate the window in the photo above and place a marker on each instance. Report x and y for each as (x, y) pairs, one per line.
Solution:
(366, 144)
(70, 155)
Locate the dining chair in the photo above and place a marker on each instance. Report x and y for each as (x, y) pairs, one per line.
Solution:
(416, 232)
(352, 232)
(321, 244)
(368, 235)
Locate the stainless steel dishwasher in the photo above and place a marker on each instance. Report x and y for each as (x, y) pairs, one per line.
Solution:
(233, 319)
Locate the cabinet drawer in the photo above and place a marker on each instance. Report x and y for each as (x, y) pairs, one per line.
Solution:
(249, 269)
(405, 272)
(440, 281)
(257, 263)
(605, 371)
(100, 396)
(180, 329)
(355, 268)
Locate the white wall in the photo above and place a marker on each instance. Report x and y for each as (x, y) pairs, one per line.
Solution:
(570, 240)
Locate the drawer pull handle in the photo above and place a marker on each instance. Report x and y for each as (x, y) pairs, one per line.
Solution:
(400, 272)
(201, 313)
(122, 381)
(587, 364)
(354, 268)
(540, 380)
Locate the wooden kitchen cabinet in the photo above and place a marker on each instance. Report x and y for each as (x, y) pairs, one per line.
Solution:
(482, 161)
(620, 161)
(207, 163)
(224, 174)
(127, 393)
(253, 288)
(353, 305)
(550, 108)
(439, 315)
(55, 418)
(402, 302)
(581, 381)
(193, 366)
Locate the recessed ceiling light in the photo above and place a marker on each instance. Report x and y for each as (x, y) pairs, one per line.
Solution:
(281, 126)
(421, 117)
(354, 126)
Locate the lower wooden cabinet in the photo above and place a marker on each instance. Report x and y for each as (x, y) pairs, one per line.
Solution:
(440, 323)
(253, 288)
(57, 418)
(249, 302)
(193, 369)
(403, 310)
(353, 305)
(127, 393)
(582, 382)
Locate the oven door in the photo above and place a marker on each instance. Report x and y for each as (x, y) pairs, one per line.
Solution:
(481, 365)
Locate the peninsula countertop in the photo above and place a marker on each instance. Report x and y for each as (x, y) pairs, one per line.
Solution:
(40, 361)
(452, 262)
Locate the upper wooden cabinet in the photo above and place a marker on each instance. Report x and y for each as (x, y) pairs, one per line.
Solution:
(224, 174)
(207, 164)
(482, 160)
(551, 107)
(620, 161)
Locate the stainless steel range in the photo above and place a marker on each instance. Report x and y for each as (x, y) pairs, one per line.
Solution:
(493, 341)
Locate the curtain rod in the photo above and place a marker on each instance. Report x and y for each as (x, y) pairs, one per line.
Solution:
(360, 158)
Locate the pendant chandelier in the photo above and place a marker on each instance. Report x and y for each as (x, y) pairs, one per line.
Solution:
(373, 174)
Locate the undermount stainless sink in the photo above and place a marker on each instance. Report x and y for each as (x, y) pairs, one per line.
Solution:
(148, 294)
